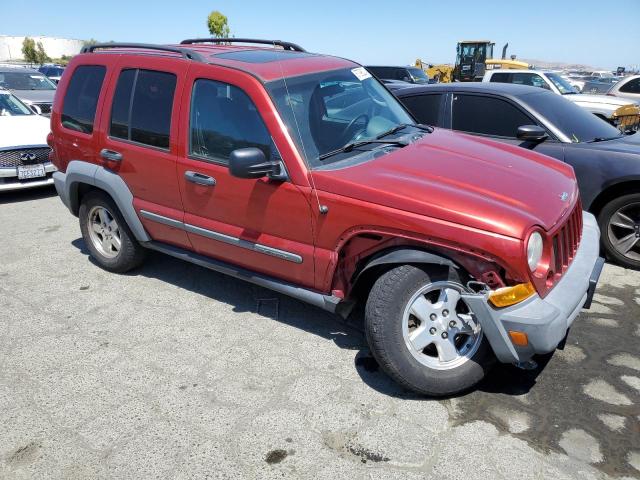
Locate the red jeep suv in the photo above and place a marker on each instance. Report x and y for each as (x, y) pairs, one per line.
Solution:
(301, 173)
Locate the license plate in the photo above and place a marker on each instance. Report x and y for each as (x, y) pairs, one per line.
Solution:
(25, 172)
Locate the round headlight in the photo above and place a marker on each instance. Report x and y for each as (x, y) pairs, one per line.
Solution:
(534, 250)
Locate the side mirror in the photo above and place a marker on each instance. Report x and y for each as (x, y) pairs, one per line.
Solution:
(252, 163)
(532, 133)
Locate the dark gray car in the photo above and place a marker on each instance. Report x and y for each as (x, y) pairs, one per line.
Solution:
(606, 162)
(30, 86)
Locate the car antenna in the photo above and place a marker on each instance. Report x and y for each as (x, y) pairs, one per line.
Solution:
(323, 209)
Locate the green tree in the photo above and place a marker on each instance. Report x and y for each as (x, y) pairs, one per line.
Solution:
(41, 55)
(34, 52)
(218, 26)
(29, 51)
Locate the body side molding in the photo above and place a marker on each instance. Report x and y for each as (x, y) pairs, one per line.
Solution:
(327, 302)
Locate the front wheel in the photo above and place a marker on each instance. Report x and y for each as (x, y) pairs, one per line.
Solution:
(619, 223)
(423, 334)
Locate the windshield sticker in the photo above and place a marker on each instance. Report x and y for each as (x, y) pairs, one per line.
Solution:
(361, 73)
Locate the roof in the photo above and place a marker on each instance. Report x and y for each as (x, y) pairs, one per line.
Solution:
(265, 63)
(391, 66)
(19, 69)
(471, 87)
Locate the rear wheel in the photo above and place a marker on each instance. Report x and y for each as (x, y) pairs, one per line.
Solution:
(619, 223)
(423, 334)
(107, 235)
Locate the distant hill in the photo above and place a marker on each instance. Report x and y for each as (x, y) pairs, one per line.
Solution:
(559, 65)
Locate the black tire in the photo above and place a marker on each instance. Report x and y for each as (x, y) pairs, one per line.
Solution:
(383, 327)
(603, 222)
(130, 255)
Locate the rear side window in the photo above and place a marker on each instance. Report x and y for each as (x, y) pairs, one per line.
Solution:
(487, 116)
(81, 98)
(223, 119)
(142, 105)
(631, 87)
(425, 108)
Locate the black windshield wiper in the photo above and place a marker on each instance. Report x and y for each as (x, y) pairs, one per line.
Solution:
(350, 146)
(604, 139)
(397, 128)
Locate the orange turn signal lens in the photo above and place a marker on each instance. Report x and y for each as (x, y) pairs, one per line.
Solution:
(504, 297)
(519, 338)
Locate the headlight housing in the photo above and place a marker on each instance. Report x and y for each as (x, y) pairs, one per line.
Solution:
(534, 250)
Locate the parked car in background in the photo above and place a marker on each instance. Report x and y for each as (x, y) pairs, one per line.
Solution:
(404, 74)
(621, 113)
(300, 172)
(627, 88)
(24, 153)
(52, 72)
(602, 74)
(599, 85)
(606, 162)
(30, 86)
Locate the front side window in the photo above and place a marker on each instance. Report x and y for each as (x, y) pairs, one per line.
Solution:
(25, 80)
(418, 75)
(324, 111)
(11, 106)
(531, 79)
(487, 116)
(81, 98)
(500, 77)
(632, 86)
(223, 119)
(146, 117)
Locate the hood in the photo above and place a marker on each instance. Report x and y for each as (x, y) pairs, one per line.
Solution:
(35, 96)
(599, 100)
(22, 130)
(624, 144)
(462, 179)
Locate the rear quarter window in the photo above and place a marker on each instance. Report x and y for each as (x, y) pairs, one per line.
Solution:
(81, 98)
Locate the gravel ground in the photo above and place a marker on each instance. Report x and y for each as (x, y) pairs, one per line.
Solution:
(174, 371)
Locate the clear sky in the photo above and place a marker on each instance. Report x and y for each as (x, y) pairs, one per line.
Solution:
(594, 32)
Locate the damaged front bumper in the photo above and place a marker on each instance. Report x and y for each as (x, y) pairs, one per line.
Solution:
(545, 321)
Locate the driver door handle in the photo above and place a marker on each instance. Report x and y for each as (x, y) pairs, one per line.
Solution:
(199, 178)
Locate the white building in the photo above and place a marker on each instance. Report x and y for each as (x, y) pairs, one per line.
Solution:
(11, 47)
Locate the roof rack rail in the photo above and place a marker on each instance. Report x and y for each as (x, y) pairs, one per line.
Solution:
(186, 54)
(285, 45)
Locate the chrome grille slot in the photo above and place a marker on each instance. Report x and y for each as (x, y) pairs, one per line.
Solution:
(15, 157)
(566, 240)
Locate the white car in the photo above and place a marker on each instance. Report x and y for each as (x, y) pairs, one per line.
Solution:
(24, 153)
(622, 113)
(627, 87)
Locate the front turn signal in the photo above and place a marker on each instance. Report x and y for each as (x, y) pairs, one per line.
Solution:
(507, 296)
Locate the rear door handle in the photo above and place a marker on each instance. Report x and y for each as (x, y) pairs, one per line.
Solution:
(199, 178)
(111, 155)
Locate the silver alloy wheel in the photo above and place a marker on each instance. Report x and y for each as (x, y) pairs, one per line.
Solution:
(104, 232)
(439, 328)
(623, 231)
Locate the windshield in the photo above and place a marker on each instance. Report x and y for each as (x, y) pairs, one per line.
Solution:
(418, 75)
(25, 81)
(10, 106)
(561, 84)
(575, 122)
(325, 111)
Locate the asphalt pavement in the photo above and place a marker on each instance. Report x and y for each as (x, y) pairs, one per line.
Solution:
(174, 371)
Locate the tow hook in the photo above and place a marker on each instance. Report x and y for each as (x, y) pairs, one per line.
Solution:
(528, 365)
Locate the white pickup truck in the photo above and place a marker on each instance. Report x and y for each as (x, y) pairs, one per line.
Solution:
(622, 113)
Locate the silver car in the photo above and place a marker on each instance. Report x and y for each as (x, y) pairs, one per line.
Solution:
(30, 86)
(627, 87)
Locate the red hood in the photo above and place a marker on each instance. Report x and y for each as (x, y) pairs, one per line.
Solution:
(463, 179)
